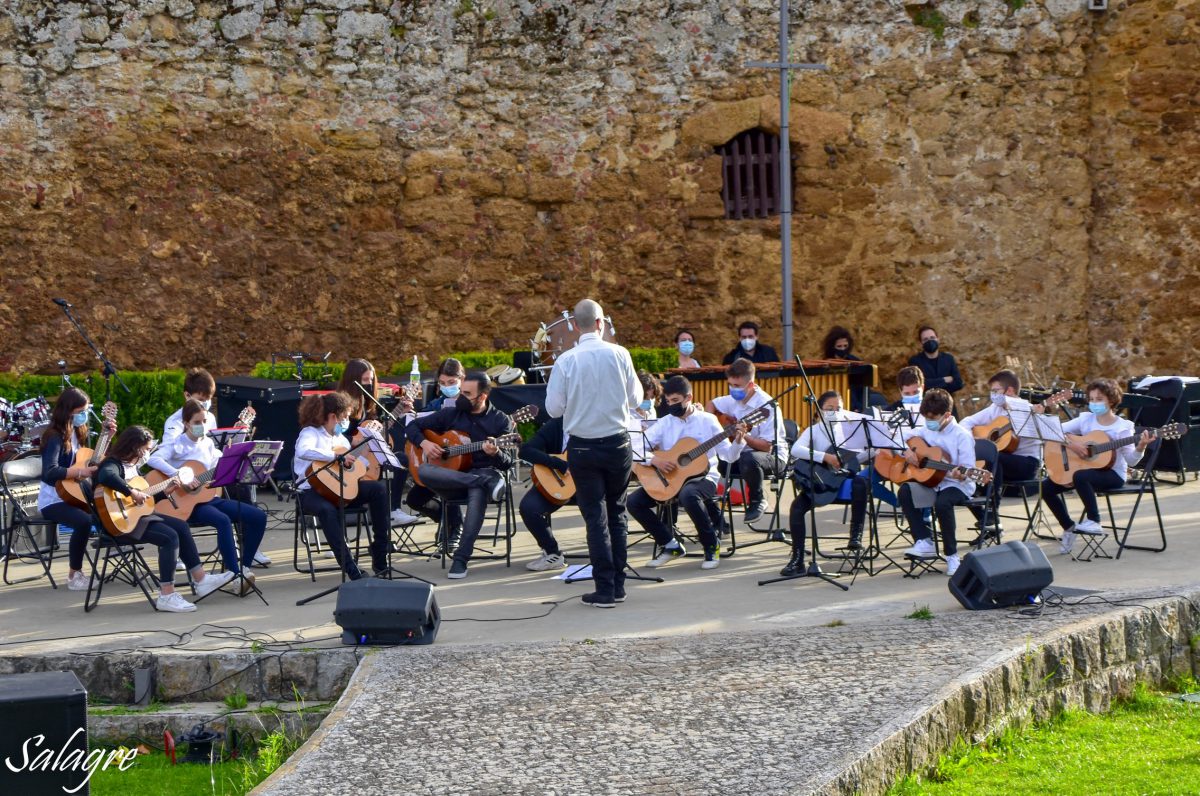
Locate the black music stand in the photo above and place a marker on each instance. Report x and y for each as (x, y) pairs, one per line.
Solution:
(246, 464)
(388, 465)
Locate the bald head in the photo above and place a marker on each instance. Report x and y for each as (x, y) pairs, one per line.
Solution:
(587, 313)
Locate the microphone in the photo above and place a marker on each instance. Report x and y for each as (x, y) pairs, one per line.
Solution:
(62, 303)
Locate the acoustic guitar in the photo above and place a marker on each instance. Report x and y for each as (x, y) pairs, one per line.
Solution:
(190, 495)
(74, 491)
(1001, 432)
(557, 487)
(1062, 463)
(373, 429)
(120, 515)
(691, 458)
(932, 468)
(457, 446)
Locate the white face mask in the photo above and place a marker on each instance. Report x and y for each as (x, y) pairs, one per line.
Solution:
(830, 414)
(748, 343)
(197, 431)
(998, 398)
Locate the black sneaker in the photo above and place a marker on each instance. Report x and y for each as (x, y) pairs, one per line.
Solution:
(596, 601)
(755, 511)
(619, 594)
(458, 569)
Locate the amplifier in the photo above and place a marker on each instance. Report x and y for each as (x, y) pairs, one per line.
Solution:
(276, 405)
(1175, 402)
(40, 713)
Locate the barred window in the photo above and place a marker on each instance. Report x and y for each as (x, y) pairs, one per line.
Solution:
(750, 173)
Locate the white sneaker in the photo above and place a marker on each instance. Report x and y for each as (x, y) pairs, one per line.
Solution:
(402, 517)
(213, 582)
(1068, 541)
(668, 554)
(499, 489)
(952, 563)
(1089, 528)
(261, 559)
(547, 561)
(174, 603)
(77, 581)
(179, 567)
(922, 549)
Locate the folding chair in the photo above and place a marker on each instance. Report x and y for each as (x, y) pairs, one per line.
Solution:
(505, 511)
(306, 533)
(20, 540)
(1137, 487)
(988, 455)
(119, 558)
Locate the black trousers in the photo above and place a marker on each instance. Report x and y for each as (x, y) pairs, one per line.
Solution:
(601, 470)
(797, 518)
(1086, 484)
(535, 513)
(944, 504)
(371, 494)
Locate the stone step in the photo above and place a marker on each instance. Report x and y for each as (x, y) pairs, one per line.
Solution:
(122, 724)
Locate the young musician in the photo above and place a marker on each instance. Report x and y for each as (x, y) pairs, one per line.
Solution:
(1103, 396)
(324, 421)
(194, 445)
(765, 444)
(66, 434)
(172, 537)
(911, 382)
(450, 375)
(839, 344)
(749, 347)
(940, 369)
(940, 430)
(684, 419)
(813, 449)
(472, 414)
(686, 343)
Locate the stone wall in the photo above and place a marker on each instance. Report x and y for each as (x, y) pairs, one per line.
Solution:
(214, 181)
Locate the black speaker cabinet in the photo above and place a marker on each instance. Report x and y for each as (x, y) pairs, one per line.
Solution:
(1013, 573)
(43, 733)
(375, 611)
(276, 405)
(1178, 403)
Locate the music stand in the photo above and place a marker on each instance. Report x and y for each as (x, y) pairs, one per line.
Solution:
(871, 435)
(246, 464)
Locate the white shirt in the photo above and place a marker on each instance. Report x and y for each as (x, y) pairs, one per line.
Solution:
(174, 425)
(959, 445)
(1127, 455)
(593, 388)
(813, 443)
(1026, 446)
(699, 426)
(314, 444)
(169, 457)
(770, 430)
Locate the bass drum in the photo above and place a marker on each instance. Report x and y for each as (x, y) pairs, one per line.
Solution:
(7, 416)
(562, 334)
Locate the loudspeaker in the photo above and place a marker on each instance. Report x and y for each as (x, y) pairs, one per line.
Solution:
(375, 611)
(1013, 573)
(50, 704)
(277, 412)
(1179, 403)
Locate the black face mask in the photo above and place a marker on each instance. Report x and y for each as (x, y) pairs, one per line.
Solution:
(464, 404)
(676, 410)
(930, 346)
(841, 352)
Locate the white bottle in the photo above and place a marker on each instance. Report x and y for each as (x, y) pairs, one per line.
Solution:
(414, 378)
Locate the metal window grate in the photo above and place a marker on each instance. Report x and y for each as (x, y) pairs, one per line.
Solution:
(750, 172)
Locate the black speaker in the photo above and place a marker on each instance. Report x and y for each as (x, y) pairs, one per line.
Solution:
(1178, 403)
(1013, 573)
(49, 704)
(375, 611)
(276, 406)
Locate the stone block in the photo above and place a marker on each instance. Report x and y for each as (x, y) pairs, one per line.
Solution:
(717, 123)
(359, 25)
(551, 189)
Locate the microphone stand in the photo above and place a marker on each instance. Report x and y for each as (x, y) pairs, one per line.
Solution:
(108, 369)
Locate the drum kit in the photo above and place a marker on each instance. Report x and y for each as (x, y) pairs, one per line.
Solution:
(21, 425)
(562, 334)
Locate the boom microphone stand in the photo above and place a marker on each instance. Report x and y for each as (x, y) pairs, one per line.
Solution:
(107, 368)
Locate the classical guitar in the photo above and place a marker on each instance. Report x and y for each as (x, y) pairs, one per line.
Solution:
(457, 446)
(74, 491)
(1001, 432)
(557, 487)
(190, 495)
(1062, 463)
(691, 458)
(373, 429)
(932, 468)
(120, 515)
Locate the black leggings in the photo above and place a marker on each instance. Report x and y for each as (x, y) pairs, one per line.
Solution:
(80, 523)
(174, 541)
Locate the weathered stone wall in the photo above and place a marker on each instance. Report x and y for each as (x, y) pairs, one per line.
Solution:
(213, 181)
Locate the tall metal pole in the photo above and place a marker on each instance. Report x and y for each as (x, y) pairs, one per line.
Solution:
(785, 179)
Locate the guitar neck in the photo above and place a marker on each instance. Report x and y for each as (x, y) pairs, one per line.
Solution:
(1112, 445)
(933, 464)
(704, 447)
(101, 446)
(459, 450)
(160, 487)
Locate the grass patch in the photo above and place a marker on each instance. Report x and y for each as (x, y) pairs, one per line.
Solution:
(835, 623)
(1146, 744)
(237, 700)
(920, 613)
(128, 710)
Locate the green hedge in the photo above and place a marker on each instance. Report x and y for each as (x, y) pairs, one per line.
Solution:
(153, 395)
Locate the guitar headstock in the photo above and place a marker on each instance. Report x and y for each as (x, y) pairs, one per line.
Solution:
(759, 415)
(109, 412)
(372, 427)
(1062, 396)
(512, 440)
(245, 418)
(1171, 431)
(525, 414)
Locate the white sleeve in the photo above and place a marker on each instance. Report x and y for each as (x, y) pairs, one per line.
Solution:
(307, 449)
(802, 447)
(980, 418)
(556, 391)
(158, 460)
(633, 385)
(654, 436)
(171, 430)
(726, 449)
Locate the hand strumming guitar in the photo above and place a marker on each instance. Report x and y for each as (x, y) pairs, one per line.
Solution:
(430, 450)
(665, 465)
(832, 461)
(1078, 446)
(912, 458)
(139, 497)
(489, 447)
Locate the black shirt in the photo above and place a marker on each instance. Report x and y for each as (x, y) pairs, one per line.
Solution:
(548, 440)
(56, 458)
(489, 423)
(761, 353)
(937, 369)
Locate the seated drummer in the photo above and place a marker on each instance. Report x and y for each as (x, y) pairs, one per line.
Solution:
(749, 347)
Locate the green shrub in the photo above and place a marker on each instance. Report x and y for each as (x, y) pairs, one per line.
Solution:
(654, 360)
(285, 370)
(153, 395)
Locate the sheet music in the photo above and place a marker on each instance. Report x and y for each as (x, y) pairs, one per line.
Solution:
(1031, 425)
(867, 432)
(379, 449)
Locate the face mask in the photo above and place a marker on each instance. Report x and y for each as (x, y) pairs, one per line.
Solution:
(646, 405)
(910, 400)
(737, 393)
(79, 419)
(676, 410)
(341, 427)
(464, 404)
(933, 425)
(143, 459)
(197, 431)
(686, 347)
(748, 343)
(999, 398)
(1097, 407)
(830, 414)
(930, 346)
(841, 352)
(449, 390)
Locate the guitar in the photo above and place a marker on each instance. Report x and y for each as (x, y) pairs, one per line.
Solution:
(691, 457)
(820, 477)
(457, 446)
(1000, 430)
(120, 515)
(74, 491)
(373, 429)
(1062, 463)
(192, 494)
(557, 487)
(932, 469)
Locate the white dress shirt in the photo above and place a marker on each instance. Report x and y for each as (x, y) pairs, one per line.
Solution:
(770, 430)
(1026, 446)
(593, 388)
(699, 426)
(813, 442)
(1127, 455)
(169, 457)
(959, 445)
(314, 444)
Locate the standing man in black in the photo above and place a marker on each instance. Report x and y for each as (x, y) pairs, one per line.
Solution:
(939, 368)
(749, 348)
(593, 387)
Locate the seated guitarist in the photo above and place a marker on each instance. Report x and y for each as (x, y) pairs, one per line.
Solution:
(172, 537)
(194, 445)
(450, 375)
(683, 419)
(940, 430)
(472, 414)
(324, 421)
(1104, 395)
(811, 452)
(765, 444)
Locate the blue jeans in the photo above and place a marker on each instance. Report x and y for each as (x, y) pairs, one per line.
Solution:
(221, 514)
(601, 470)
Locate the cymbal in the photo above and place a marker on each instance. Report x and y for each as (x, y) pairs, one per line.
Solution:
(54, 370)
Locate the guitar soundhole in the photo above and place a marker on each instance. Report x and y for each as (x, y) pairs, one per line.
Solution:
(685, 460)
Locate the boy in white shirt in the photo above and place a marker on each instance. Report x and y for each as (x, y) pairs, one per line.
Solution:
(765, 445)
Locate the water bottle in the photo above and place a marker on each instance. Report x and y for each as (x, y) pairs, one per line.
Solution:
(414, 380)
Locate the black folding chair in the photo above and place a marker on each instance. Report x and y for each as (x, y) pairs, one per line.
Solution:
(27, 535)
(1137, 488)
(504, 511)
(119, 558)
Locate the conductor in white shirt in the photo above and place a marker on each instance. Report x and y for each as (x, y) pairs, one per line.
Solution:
(593, 387)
